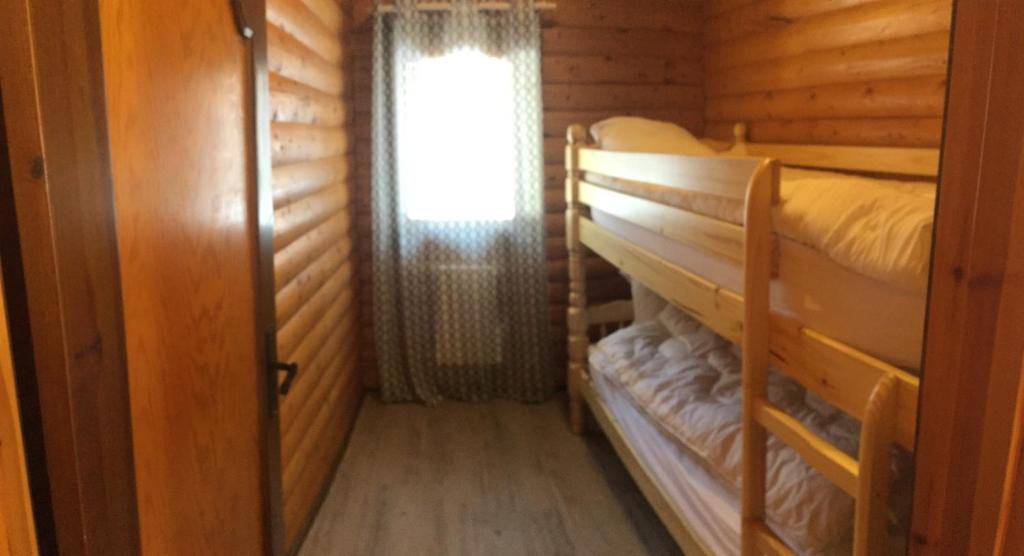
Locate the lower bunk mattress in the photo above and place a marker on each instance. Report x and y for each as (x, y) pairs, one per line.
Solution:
(674, 388)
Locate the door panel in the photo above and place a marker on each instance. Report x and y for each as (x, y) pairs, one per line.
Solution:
(179, 96)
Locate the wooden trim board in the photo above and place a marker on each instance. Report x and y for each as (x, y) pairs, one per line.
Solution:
(908, 161)
(717, 237)
(69, 303)
(886, 160)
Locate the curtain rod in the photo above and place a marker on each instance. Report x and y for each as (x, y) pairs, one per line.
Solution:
(445, 6)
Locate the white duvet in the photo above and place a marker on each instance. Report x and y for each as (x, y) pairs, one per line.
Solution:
(689, 385)
(880, 228)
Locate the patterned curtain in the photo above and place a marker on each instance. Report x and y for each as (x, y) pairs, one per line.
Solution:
(460, 281)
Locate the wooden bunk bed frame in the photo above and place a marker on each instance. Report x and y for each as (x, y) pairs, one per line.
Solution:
(881, 396)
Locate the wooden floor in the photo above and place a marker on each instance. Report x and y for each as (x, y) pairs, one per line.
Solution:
(481, 479)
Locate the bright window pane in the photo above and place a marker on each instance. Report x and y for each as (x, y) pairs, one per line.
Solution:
(455, 139)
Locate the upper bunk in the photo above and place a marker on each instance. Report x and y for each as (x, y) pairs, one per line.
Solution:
(834, 329)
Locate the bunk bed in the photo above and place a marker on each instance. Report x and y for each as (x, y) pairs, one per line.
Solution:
(660, 219)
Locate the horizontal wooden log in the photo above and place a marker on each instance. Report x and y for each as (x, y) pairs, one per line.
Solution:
(621, 97)
(555, 248)
(906, 57)
(554, 225)
(306, 475)
(291, 101)
(298, 327)
(294, 220)
(291, 143)
(339, 369)
(295, 18)
(554, 201)
(760, 16)
(556, 122)
(620, 41)
(554, 151)
(315, 354)
(336, 329)
(295, 421)
(718, 7)
(332, 361)
(293, 182)
(299, 254)
(300, 290)
(590, 70)
(290, 58)
(866, 23)
(596, 267)
(317, 475)
(681, 16)
(911, 97)
(301, 438)
(608, 287)
(891, 132)
(554, 178)
(306, 490)
(329, 12)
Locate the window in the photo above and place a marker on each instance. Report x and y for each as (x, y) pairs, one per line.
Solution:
(455, 137)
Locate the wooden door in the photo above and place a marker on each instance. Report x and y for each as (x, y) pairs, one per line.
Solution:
(182, 117)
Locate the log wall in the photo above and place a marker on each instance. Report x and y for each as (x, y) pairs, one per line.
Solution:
(600, 58)
(859, 72)
(313, 244)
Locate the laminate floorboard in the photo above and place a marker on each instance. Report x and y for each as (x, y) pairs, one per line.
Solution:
(481, 479)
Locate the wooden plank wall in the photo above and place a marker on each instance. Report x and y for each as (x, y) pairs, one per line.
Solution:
(313, 243)
(600, 58)
(859, 72)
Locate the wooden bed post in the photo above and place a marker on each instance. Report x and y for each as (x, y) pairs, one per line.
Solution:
(757, 271)
(577, 313)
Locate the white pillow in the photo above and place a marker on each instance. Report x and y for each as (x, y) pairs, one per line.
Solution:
(677, 322)
(630, 134)
(646, 304)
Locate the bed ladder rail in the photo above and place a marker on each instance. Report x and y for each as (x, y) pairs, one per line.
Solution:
(866, 479)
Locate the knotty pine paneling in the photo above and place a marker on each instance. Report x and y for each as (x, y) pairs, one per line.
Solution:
(311, 127)
(600, 58)
(857, 72)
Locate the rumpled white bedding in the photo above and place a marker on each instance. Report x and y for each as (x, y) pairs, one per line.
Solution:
(688, 382)
(880, 228)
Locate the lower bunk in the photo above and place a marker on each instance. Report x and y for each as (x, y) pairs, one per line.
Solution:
(666, 391)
